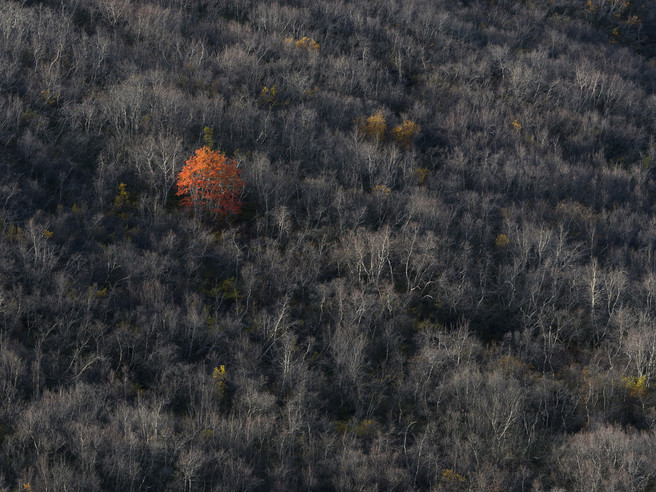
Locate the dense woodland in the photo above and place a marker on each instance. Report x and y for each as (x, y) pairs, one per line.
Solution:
(443, 276)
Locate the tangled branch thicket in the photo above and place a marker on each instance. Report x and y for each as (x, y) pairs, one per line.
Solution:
(442, 276)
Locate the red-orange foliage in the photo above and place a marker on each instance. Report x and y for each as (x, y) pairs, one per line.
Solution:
(212, 181)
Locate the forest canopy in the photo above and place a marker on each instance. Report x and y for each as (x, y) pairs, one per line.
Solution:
(428, 264)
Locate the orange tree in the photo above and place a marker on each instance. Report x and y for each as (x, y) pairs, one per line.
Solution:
(211, 181)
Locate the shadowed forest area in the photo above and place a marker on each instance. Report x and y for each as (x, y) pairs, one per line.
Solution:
(443, 275)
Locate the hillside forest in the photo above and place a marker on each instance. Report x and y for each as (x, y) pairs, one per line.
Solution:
(423, 256)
